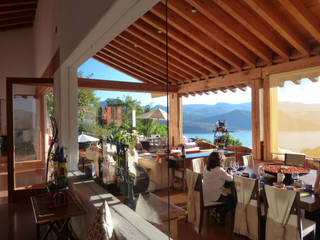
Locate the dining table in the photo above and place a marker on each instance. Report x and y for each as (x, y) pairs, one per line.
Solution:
(309, 201)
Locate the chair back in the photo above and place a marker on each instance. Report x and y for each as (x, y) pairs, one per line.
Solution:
(198, 165)
(227, 161)
(248, 161)
(280, 204)
(295, 159)
(194, 197)
(246, 189)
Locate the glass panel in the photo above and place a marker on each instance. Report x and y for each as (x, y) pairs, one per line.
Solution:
(297, 120)
(28, 160)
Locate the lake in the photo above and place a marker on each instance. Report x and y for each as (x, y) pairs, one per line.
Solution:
(244, 136)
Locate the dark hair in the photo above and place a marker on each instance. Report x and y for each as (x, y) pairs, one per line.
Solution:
(213, 161)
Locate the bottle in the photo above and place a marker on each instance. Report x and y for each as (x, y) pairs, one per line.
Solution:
(280, 176)
(183, 151)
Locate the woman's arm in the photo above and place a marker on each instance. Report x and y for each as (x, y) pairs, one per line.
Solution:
(226, 176)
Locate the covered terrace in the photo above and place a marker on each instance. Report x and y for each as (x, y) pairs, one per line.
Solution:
(206, 46)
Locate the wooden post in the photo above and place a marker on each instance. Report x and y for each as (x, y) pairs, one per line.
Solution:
(175, 119)
(255, 116)
(270, 118)
(266, 119)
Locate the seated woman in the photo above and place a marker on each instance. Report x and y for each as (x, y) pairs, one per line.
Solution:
(214, 178)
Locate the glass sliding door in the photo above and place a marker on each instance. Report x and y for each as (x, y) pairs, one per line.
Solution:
(26, 119)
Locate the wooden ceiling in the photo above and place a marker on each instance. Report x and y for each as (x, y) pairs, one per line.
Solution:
(17, 14)
(212, 38)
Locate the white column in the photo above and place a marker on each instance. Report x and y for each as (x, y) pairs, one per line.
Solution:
(66, 113)
(134, 118)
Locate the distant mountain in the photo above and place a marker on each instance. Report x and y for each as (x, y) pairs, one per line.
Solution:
(236, 120)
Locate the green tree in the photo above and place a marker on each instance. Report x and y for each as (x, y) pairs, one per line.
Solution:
(231, 140)
(88, 106)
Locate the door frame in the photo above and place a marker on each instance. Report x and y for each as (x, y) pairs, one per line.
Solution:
(13, 194)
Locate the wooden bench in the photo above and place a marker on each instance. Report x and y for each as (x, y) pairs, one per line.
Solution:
(127, 224)
(155, 210)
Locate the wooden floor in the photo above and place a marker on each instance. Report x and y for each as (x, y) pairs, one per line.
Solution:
(210, 229)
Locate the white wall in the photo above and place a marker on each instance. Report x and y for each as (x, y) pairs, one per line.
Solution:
(43, 36)
(63, 24)
(16, 49)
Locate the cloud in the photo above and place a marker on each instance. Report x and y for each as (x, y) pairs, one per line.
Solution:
(307, 92)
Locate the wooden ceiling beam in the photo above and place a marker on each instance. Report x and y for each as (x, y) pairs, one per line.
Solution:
(17, 26)
(113, 57)
(136, 62)
(129, 43)
(157, 22)
(148, 61)
(215, 91)
(247, 18)
(143, 25)
(12, 3)
(242, 87)
(198, 36)
(144, 45)
(178, 59)
(234, 28)
(304, 16)
(123, 68)
(224, 81)
(190, 65)
(274, 18)
(11, 10)
(296, 81)
(184, 95)
(12, 22)
(5, 17)
(203, 23)
(108, 85)
(224, 90)
(232, 88)
(291, 66)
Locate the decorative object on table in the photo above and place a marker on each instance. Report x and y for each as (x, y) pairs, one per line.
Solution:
(57, 186)
(221, 134)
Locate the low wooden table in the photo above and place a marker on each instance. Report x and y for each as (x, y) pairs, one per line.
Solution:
(159, 210)
(57, 218)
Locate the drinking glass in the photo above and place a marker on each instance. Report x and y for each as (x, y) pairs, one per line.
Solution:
(261, 172)
(295, 176)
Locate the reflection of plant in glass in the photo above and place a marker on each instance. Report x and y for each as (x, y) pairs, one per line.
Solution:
(130, 138)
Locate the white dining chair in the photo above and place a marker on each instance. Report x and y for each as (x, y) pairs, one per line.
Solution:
(248, 161)
(284, 219)
(248, 211)
(227, 161)
(295, 159)
(198, 165)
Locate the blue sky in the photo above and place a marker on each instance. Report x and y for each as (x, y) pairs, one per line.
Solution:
(102, 71)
